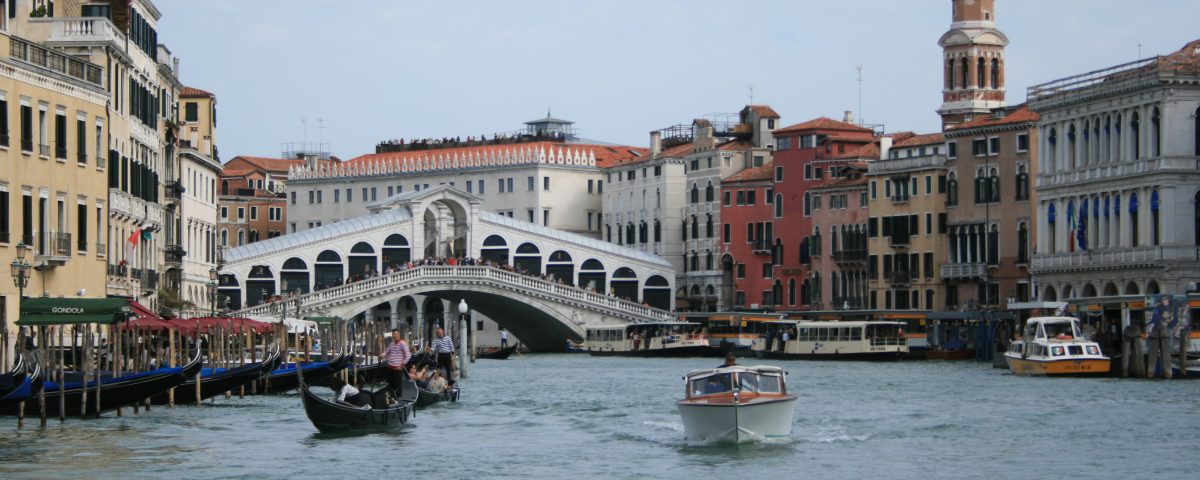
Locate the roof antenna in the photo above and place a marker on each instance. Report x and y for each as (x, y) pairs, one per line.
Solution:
(304, 124)
(320, 131)
(860, 113)
(751, 88)
(547, 112)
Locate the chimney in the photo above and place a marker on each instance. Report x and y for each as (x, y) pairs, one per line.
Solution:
(848, 116)
(885, 147)
(310, 159)
(655, 143)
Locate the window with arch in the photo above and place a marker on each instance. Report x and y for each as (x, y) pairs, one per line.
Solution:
(791, 291)
(807, 204)
(1135, 130)
(1052, 140)
(1155, 133)
(708, 260)
(657, 231)
(778, 205)
(224, 237)
(1023, 243)
(1051, 244)
(994, 185)
(995, 73)
(952, 189)
(709, 193)
(695, 261)
(643, 233)
(1133, 219)
(1155, 237)
(695, 228)
(950, 74)
(241, 238)
(1072, 160)
(630, 234)
(1022, 183)
(980, 72)
(695, 194)
(965, 72)
(708, 227)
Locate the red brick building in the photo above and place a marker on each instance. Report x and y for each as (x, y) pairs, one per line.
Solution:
(252, 205)
(807, 155)
(748, 237)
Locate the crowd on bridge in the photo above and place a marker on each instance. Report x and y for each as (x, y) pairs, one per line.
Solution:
(403, 145)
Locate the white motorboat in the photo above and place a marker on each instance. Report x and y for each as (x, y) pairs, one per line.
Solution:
(1054, 346)
(736, 404)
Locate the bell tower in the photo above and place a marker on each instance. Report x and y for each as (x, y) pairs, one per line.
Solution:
(972, 62)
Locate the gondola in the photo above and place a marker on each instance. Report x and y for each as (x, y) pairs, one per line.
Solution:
(30, 385)
(498, 353)
(366, 374)
(215, 381)
(426, 398)
(13, 379)
(285, 379)
(115, 392)
(329, 416)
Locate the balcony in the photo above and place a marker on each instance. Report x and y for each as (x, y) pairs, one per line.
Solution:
(900, 198)
(902, 165)
(1124, 257)
(101, 249)
(850, 256)
(53, 247)
(101, 162)
(898, 241)
(851, 303)
(964, 270)
(175, 253)
(760, 248)
(82, 31)
(174, 190)
(65, 64)
(899, 277)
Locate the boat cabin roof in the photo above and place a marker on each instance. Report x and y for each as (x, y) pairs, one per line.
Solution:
(758, 369)
(1051, 320)
(643, 325)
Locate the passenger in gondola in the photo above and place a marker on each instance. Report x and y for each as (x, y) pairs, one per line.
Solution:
(437, 383)
(346, 394)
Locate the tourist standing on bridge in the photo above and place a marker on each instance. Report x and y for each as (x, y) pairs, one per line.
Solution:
(443, 346)
(397, 355)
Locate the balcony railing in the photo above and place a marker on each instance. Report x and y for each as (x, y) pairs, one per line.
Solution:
(175, 253)
(101, 162)
(761, 247)
(899, 241)
(53, 244)
(850, 256)
(1096, 260)
(58, 62)
(964, 270)
(101, 249)
(898, 165)
(174, 190)
(899, 277)
(61, 152)
(900, 198)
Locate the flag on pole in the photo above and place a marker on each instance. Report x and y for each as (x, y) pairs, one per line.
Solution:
(1071, 227)
(133, 241)
(1081, 233)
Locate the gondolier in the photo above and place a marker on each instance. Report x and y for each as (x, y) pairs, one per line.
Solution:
(396, 355)
(443, 347)
(503, 338)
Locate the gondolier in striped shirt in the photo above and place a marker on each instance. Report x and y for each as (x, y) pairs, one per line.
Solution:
(396, 355)
(443, 346)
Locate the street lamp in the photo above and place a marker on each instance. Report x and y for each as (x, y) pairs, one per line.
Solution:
(212, 292)
(20, 273)
(462, 335)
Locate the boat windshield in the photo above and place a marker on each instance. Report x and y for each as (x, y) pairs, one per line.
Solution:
(753, 382)
(720, 383)
(1060, 330)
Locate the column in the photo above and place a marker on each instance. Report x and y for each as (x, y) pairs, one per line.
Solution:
(394, 305)
(1125, 239)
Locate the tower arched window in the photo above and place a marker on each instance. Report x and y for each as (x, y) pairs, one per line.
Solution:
(980, 72)
(950, 74)
(995, 73)
(966, 74)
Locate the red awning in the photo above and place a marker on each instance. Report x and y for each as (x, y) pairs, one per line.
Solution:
(144, 319)
(187, 326)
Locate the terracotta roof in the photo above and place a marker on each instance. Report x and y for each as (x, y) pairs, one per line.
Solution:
(916, 140)
(1184, 59)
(677, 150)
(606, 155)
(824, 123)
(870, 150)
(189, 92)
(269, 164)
(765, 172)
(737, 145)
(763, 111)
(842, 183)
(1021, 115)
(849, 139)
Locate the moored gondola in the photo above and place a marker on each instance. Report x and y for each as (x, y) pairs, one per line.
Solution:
(215, 381)
(30, 385)
(426, 398)
(498, 353)
(330, 416)
(114, 392)
(14, 378)
(284, 379)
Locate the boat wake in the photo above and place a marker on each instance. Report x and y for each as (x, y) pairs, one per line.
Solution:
(678, 427)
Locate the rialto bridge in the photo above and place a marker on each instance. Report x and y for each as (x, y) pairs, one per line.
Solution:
(539, 283)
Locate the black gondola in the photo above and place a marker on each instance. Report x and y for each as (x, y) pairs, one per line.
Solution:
(426, 398)
(115, 392)
(214, 381)
(365, 374)
(285, 379)
(30, 385)
(498, 353)
(13, 379)
(330, 416)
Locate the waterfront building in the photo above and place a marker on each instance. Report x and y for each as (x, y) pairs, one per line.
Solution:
(808, 155)
(973, 62)
(252, 204)
(54, 179)
(907, 195)
(990, 161)
(1117, 193)
(644, 198)
(747, 237)
(842, 259)
(191, 240)
(539, 175)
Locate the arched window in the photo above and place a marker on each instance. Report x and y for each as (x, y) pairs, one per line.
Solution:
(695, 194)
(695, 227)
(1085, 157)
(1135, 131)
(643, 233)
(1155, 134)
(949, 81)
(981, 186)
(993, 245)
(708, 227)
(1023, 243)
(980, 72)
(778, 206)
(995, 76)
(709, 194)
(657, 231)
(1022, 184)
(695, 261)
(994, 186)
(1050, 232)
(966, 75)
(241, 237)
(792, 289)
(630, 239)
(1155, 237)
(708, 260)
(1052, 140)
(807, 204)
(1072, 158)
(1133, 218)
(224, 237)
(952, 189)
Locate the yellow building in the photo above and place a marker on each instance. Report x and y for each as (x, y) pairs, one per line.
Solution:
(54, 174)
(192, 240)
(907, 225)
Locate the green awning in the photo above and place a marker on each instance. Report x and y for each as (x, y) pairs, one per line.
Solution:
(72, 311)
(322, 320)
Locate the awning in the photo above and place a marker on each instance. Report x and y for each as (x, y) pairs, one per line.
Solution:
(322, 320)
(72, 311)
(145, 319)
(187, 326)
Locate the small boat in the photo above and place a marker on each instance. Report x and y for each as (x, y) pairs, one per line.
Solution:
(115, 392)
(284, 378)
(651, 339)
(329, 416)
(26, 391)
(426, 398)
(14, 378)
(497, 353)
(955, 350)
(828, 340)
(1053, 346)
(215, 381)
(736, 404)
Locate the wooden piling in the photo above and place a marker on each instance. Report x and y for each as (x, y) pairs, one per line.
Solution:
(46, 362)
(62, 372)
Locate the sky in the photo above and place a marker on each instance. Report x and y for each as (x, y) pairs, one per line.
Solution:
(371, 70)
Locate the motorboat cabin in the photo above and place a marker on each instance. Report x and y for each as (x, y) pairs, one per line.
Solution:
(736, 404)
(823, 340)
(1055, 346)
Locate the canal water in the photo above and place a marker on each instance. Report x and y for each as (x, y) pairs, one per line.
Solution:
(559, 416)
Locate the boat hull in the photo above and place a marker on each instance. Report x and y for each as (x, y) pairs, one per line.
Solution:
(117, 392)
(689, 351)
(737, 423)
(1058, 368)
(329, 416)
(25, 392)
(859, 356)
(498, 354)
(285, 379)
(426, 398)
(215, 383)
